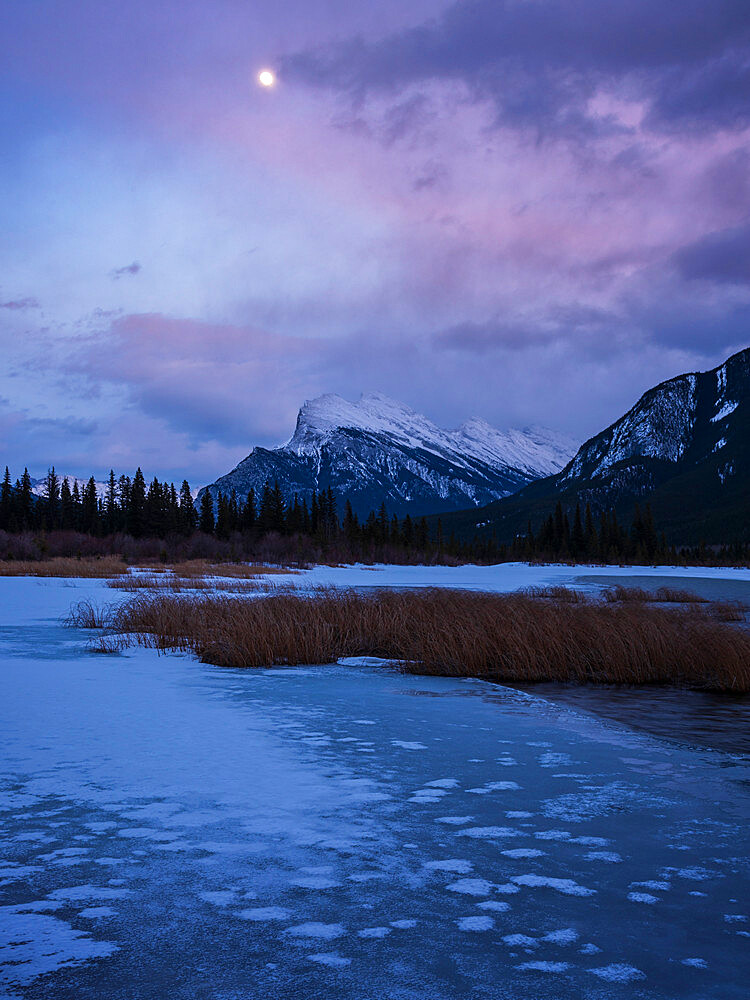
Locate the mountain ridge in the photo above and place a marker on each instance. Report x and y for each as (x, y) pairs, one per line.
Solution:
(684, 447)
(378, 450)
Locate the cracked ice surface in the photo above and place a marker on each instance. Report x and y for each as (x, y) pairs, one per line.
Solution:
(171, 829)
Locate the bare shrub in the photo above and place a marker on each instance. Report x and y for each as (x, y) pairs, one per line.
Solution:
(514, 637)
(84, 614)
(107, 644)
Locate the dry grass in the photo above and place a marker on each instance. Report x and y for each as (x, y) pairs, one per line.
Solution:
(662, 595)
(169, 583)
(156, 575)
(197, 574)
(192, 568)
(564, 594)
(728, 611)
(515, 637)
(99, 567)
(85, 614)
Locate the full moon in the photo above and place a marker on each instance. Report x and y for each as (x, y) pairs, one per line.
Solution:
(266, 78)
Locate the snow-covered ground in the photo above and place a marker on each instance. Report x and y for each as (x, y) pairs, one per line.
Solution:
(506, 577)
(170, 829)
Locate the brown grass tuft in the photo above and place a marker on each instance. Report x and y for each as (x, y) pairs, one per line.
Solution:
(93, 568)
(84, 614)
(104, 567)
(728, 611)
(564, 594)
(504, 638)
(662, 595)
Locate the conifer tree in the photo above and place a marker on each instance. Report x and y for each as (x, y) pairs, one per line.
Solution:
(67, 513)
(206, 522)
(137, 505)
(26, 502)
(222, 516)
(249, 513)
(578, 538)
(187, 518)
(51, 499)
(90, 505)
(110, 504)
(6, 501)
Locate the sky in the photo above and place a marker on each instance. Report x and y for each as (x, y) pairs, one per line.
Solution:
(525, 210)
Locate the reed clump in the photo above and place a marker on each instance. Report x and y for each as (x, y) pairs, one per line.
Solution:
(498, 637)
(662, 595)
(97, 567)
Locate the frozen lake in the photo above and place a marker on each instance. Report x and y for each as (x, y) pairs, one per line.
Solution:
(174, 830)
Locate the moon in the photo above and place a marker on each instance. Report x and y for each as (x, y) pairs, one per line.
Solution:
(266, 78)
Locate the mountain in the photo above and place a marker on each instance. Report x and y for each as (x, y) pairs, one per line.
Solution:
(684, 448)
(378, 450)
(37, 485)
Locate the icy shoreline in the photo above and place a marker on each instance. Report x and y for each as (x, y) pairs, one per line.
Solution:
(173, 829)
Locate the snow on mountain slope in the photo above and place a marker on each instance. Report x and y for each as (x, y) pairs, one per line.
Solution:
(37, 485)
(378, 450)
(536, 451)
(660, 426)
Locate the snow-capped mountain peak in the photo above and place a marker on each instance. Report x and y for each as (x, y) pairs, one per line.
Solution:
(537, 451)
(379, 450)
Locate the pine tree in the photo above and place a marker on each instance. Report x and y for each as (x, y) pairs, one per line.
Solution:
(6, 502)
(277, 511)
(578, 538)
(67, 513)
(26, 502)
(137, 505)
(90, 512)
(249, 513)
(110, 504)
(51, 497)
(222, 516)
(206, 522)
(187, 518)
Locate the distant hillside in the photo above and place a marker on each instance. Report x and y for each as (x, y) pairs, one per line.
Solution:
(379, 451)
(684, 448)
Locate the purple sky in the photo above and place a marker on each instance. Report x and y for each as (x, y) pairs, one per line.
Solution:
(525, 210)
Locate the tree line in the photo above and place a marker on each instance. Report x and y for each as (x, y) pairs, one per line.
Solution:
(272, 526)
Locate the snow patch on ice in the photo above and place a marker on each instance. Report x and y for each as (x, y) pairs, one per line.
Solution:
(618, 972)
(314, 929)
(374, 932)
(475, 923)
(331, 959)
(488, 832)
(523, 852)
(564, 885)
(260, 914)
(471, 886)
(543, 966)
(643, 897)
(456, 865)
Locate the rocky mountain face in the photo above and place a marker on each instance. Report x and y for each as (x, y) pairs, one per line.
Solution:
(684, 448)
(378, 450)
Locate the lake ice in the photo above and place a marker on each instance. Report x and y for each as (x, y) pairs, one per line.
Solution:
(174, 830)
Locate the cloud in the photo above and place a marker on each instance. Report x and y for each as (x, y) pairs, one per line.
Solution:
(722, 257)
(541, 63)
(217, 382)
(17, 305)
(121, 272)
